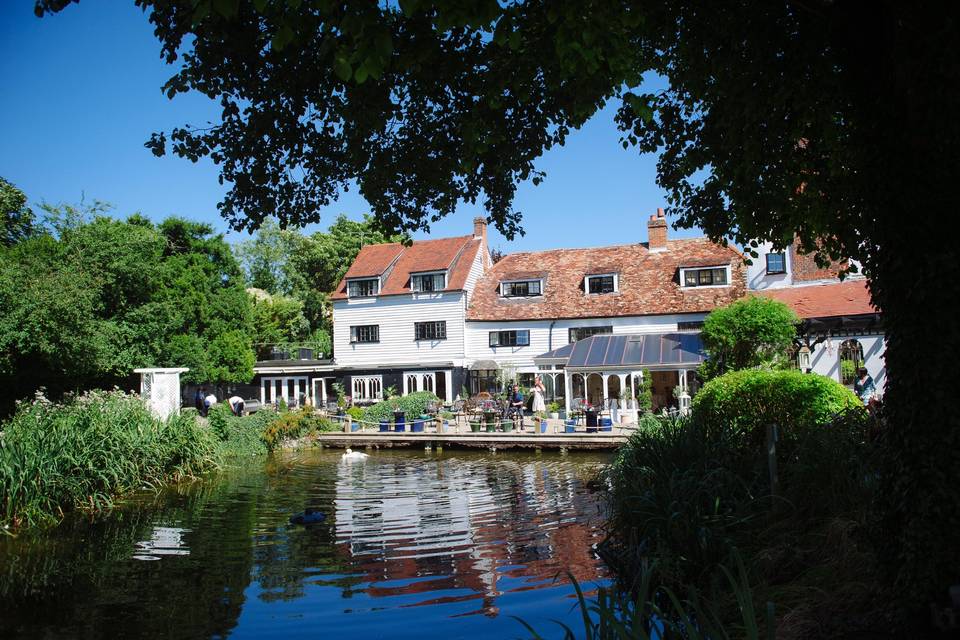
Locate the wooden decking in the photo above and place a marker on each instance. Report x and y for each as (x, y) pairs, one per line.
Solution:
(513, 440)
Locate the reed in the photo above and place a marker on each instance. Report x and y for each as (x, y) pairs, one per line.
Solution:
(86, 451)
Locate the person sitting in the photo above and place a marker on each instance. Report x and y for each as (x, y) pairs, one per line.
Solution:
(236, 405)
(864, 386)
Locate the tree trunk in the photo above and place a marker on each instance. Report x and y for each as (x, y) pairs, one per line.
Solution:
(903, 68)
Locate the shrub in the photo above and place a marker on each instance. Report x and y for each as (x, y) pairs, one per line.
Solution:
(293, 425)
(89, 449)
(412, 405)
(355, 412)
(744, 402)
(240, 436)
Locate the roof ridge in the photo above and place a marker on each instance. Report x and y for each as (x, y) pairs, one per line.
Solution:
(611, 246)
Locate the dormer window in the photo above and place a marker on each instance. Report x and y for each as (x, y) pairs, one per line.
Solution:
(363, 288)
(521, 288)
(426, 282)
(602, 283)
(705, 276)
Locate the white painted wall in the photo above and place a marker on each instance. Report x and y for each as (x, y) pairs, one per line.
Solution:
(825, 358)
(757, 278)
(476, 271)
(396, 316)
(478, 340)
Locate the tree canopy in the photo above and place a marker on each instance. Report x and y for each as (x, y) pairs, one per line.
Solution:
(16, 218)
(84, 302)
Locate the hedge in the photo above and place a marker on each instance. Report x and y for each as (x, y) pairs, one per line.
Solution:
(412, 405)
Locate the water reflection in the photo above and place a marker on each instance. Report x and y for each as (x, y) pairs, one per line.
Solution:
(414, 545)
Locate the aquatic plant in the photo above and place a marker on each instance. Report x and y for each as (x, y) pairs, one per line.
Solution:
(649, 612)
(84, 452)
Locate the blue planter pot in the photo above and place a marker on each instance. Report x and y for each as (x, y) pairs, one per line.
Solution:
(384, 425)
(417, 426)
(570, 426)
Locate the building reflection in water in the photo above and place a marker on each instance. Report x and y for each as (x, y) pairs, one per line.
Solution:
(475, 527)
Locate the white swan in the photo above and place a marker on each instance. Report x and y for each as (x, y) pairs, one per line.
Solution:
(351, 455)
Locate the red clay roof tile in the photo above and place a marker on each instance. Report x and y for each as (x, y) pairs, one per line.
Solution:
(442, 254)
(649, 283)
(848, 298)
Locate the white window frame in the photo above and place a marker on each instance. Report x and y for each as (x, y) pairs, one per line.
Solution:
(362, 386)
(505, 282)
(683, 277)
(616, 283)
(268, 389)
(357, 280)
(433, 274)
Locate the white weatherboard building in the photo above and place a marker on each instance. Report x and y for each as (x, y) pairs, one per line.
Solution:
(439, 316)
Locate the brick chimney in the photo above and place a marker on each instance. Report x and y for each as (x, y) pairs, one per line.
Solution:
(657, 231)
(480, 228)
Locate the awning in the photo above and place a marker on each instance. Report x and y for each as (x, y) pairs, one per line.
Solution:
(484, 365)
(607, 351)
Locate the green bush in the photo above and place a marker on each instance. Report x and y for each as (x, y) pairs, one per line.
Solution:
(356, 413)
(89, 449)
(744, 402)
(292, 425)
(412, 405)
(240, 436)
(752, 332)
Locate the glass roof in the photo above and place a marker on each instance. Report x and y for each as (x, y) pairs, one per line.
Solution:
(631, 351)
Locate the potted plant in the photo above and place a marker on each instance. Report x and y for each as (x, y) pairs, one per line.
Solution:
(554, 410)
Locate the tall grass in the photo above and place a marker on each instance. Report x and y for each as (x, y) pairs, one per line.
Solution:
(651, 612)
(86, 451)
(685, 497)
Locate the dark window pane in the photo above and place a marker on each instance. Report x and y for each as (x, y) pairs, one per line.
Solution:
(776, 263)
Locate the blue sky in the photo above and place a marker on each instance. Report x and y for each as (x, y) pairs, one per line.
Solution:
(82, 94)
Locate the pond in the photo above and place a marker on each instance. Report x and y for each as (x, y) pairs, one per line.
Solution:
(414, 545)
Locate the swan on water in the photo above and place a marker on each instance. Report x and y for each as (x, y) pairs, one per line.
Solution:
(354, 455)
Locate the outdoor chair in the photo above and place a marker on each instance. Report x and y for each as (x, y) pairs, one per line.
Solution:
(577, 410)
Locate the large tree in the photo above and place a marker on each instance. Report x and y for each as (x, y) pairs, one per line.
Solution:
(826, 119)
(16, 218)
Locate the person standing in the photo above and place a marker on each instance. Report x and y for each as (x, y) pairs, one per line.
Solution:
(864, 386)
(198, 400)
(236, 405)
(516, 403)
(538, 393)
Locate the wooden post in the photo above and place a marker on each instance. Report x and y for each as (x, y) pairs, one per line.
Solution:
(772, 437)
(346, 424)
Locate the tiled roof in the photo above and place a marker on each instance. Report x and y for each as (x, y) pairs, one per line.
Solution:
(454, 255)
(648, 282)
(848, 298)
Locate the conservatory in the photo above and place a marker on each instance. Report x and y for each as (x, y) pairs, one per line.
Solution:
(606, 370)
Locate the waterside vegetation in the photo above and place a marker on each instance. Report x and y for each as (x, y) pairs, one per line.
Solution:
(86, 451)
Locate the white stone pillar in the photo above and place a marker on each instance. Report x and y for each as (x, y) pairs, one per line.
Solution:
(448, 385)
(605, 377)
(568, 391)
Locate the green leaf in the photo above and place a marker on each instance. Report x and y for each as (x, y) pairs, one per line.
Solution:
(342, 68)
(282, 37)
(409, 7)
